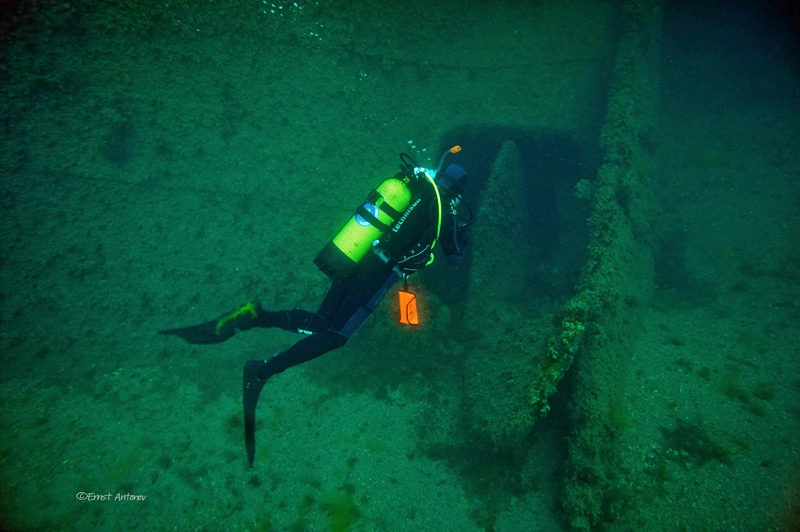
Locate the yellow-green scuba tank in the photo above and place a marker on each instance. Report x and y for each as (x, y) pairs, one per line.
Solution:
(383, 207)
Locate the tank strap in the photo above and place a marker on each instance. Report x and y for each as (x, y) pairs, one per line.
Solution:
(364, 213)
(374, 198)
(388, 209)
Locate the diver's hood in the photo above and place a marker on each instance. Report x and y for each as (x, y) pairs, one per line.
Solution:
(452, 179)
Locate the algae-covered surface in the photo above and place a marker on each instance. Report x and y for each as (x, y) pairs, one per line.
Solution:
(164, 162)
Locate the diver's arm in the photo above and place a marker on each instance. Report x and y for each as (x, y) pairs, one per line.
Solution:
(454, 243)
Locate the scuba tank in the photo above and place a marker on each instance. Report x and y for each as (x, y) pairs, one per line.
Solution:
(380, 213)
(376, 216)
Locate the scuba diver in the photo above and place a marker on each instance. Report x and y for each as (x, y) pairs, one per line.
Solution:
(390, 237)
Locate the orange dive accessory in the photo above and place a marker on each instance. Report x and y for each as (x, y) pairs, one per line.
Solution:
(408, 306)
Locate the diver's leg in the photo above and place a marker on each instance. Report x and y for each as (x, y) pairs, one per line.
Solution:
(247, 317)
(354, 307)
(218, 330)
(256, 373)
(292, 320)
(253, 315)
(306, 349)
(352, 311)
(309, 322)
(304, 321)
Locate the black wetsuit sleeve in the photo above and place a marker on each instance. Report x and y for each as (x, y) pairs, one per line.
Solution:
(453, 240)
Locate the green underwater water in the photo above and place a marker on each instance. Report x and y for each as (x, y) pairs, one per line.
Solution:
(163, 163)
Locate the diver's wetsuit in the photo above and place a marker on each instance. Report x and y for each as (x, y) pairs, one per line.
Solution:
(348, 303)
(350, 300)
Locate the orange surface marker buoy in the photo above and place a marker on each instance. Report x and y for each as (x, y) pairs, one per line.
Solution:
(408, 307)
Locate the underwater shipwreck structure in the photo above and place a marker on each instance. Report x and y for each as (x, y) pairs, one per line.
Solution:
(596, 323)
